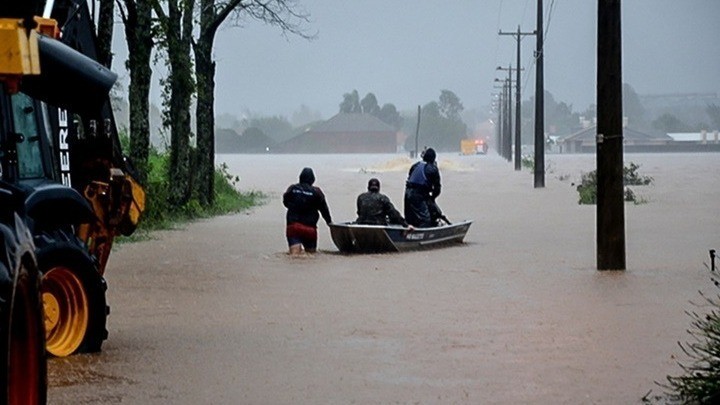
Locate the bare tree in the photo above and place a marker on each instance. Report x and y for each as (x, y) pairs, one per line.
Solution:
(280, 13)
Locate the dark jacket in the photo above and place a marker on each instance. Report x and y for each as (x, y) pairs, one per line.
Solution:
(303, 202)
(375, 208)
(425, 177)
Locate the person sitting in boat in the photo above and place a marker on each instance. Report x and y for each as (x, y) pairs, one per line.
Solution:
(303, 202)
(421, 189)
(375, 208)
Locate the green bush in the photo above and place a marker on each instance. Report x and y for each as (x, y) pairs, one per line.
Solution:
(587, 189)
(528, 162)
(632, 178)
(160, 214)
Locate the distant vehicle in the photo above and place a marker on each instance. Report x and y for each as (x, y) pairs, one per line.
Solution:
(473, 147)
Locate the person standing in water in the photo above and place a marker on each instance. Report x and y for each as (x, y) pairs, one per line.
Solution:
(305, 203)
(421, 189)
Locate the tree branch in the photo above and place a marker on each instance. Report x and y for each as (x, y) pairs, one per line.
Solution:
(157, 7)
(123, 17)
(224, 13)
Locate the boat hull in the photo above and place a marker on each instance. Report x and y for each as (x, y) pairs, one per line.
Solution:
(355, 238)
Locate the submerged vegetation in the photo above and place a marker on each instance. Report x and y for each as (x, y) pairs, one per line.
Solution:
(587, 189)
(528, 162)
(700, 381)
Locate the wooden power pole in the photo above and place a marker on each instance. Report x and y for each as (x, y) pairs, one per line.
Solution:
(610, 196)
(518, 141)
(539, 169)
(499, 125)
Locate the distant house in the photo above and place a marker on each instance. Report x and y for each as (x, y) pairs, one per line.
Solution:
(702, 137)
(585, 141)
(345, 133)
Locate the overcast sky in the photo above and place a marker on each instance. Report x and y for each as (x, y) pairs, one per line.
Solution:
(407, 51)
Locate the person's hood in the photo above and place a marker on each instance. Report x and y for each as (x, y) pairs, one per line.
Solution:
(429, 155)
(307, 176)
(373, 184)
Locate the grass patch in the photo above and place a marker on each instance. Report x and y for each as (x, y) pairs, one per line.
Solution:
(160, 214)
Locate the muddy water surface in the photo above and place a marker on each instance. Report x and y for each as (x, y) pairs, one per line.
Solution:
(217, 312)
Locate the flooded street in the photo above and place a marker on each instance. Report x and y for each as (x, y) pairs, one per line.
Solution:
(218, 313)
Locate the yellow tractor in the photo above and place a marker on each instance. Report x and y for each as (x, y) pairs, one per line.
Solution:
(62, 165)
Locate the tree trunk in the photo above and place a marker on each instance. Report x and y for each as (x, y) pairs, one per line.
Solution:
(138, 34)
(105, 32)
(179, 29)
(205, 109)
(205, 119)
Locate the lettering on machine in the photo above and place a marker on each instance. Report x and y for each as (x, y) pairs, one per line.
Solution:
(63, 147)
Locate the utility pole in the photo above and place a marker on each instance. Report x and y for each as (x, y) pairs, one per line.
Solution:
(539, 175)
(610, 198)
(507, 134)
(508, 120)
(498, 139)
(518, 141)
(506, 130)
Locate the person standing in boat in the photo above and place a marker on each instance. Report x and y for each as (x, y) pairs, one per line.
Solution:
(375, 208)
(305, 203)
(421, 189)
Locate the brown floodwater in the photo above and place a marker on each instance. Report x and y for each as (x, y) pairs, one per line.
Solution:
(217, 312)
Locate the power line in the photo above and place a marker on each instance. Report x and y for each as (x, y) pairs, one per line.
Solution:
(533, 58)
(528, 70)
(548, 19)
(497, 39)
(530, 64)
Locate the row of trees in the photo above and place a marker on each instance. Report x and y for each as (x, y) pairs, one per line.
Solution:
(441, 125)
(669, 122)
(369, 105)
(560, 119)
(183, 33)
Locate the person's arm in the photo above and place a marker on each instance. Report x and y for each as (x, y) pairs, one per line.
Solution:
(359, 211)
(287, 197)
(433, 175)
(393, 215)
(324, 210)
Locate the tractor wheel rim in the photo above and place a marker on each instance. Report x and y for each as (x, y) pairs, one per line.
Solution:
(52, 311)
(67, 310)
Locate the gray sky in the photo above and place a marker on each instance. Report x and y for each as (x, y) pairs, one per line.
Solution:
(406, 52)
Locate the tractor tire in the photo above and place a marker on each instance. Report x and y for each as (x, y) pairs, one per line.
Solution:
(23, 364)
(73, 294)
